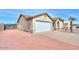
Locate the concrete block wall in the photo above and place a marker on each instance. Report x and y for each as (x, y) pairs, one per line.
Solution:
(1, 26)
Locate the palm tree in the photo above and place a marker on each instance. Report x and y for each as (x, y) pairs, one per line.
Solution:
(71, 19)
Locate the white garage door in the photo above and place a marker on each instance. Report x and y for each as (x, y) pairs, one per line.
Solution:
(43, 26)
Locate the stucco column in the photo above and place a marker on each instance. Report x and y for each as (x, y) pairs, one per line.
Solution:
(54, 25)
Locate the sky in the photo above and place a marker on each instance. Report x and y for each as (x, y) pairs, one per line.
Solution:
(10, 16)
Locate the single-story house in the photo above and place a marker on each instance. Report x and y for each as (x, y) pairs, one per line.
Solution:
(38, 23)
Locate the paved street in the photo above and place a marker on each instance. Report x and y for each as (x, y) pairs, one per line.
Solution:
(71, 38)
(20, 40)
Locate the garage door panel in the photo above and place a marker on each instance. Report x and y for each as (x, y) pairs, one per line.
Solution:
(43, 26)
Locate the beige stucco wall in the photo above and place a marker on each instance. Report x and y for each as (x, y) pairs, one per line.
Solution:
(61, 25)
(23, 24)
(41, 18)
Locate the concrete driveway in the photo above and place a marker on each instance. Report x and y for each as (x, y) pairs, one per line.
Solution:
(20, 40)
(70, 38)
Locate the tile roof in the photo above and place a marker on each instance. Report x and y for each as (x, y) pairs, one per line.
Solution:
(35, 16)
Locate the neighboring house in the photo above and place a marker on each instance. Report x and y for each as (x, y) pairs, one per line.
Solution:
(1, 26)
(67, 24)
(38, 23)
(10, 26)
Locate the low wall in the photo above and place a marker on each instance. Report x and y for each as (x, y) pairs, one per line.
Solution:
(1, 26)
(10, 26)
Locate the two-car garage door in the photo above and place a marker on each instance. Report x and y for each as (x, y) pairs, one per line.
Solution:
(43, 26)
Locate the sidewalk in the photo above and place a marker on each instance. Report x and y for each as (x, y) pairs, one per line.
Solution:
(75, 31)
